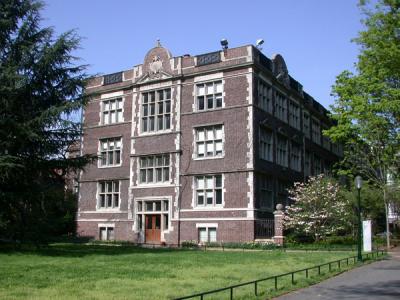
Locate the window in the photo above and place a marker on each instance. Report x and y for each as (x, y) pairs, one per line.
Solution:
(156, 110)
(159, 207)
(209, 95)
(283, 192)
(154, 169)
(209, 141)
(106, 233)
(208, 190)
(281, 107)
(207, 234)
(264, 96)
(266, 144)
(109, 194)
(317, 165)
(266, 192)
(316, 132)
(282, 151)
(112, 111)
(307, 164)
(326, 142)
(110, 152)
(294, 115)
(306, 124)
(295, 157)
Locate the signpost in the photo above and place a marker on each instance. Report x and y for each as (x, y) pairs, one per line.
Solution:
(367, 245)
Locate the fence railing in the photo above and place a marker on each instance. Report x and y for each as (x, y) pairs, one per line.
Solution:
(275, 278)
(264, 229)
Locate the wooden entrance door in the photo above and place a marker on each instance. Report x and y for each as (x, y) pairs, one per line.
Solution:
(153, 228)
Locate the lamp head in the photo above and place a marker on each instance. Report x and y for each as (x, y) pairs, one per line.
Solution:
(358, 182)
(224, 44)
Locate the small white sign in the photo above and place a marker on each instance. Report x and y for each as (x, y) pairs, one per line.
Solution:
(367, 236)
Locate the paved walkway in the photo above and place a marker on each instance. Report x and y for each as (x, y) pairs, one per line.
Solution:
(379, 280)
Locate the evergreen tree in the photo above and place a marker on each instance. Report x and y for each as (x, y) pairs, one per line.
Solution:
(367, 106)
(40, 91)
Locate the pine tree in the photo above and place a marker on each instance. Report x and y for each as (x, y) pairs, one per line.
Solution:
(40, 93)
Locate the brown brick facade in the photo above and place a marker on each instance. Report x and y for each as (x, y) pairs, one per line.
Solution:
(200, 177)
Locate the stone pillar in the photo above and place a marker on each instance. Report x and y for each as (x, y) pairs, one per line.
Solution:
(278, 220)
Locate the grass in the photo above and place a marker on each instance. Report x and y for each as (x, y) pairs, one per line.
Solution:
(70, 271)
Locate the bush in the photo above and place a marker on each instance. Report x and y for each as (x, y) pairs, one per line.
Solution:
(244, 245)
(189, 244)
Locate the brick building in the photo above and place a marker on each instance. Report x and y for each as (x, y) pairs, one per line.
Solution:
(197, 147)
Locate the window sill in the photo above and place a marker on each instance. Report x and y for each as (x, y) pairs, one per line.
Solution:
(212, 157)
(207, 208)
(113, 166)
(209, 110)
(150, 185)
(155, 132)
(108, 210)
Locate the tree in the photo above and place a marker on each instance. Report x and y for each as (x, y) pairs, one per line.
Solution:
(40, 90)
(367, 105)
(318, 210)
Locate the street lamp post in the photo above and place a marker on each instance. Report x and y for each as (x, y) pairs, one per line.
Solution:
(359, 183)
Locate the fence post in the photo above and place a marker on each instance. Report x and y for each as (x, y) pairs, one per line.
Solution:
(255, 288)
(231, 293)
(278, 225)
(276, 282)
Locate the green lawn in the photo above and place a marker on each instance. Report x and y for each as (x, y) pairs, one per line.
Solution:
(68, 271)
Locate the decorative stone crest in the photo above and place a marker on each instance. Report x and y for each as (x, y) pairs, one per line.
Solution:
(280, 70)
(157, 64)
(155, 67)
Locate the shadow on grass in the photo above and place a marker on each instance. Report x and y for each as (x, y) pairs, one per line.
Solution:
(81, 250)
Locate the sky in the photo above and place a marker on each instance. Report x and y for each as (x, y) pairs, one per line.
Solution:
(313, 36)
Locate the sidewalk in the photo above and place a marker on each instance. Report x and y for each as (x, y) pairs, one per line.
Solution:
(378, 280)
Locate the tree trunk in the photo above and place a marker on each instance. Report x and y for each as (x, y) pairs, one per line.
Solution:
(387, 219)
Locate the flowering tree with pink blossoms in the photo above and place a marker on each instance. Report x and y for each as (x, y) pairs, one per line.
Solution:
(318, 208)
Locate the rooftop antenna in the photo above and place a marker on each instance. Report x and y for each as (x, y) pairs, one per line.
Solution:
(259, 42)
(224, 44)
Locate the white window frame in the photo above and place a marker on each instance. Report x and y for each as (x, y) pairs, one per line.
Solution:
(211, 90)
(107, 110)
(106, 193)
(266, 144)
(107, 227)
(207, 230)
(147, 113)
(164, 167)
(265, 96)
(280, 160)
(206, 188)
(202, 140)
(106, 151)
(165, 212)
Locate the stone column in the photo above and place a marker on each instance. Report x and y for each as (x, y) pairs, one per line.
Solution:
(278, 220)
